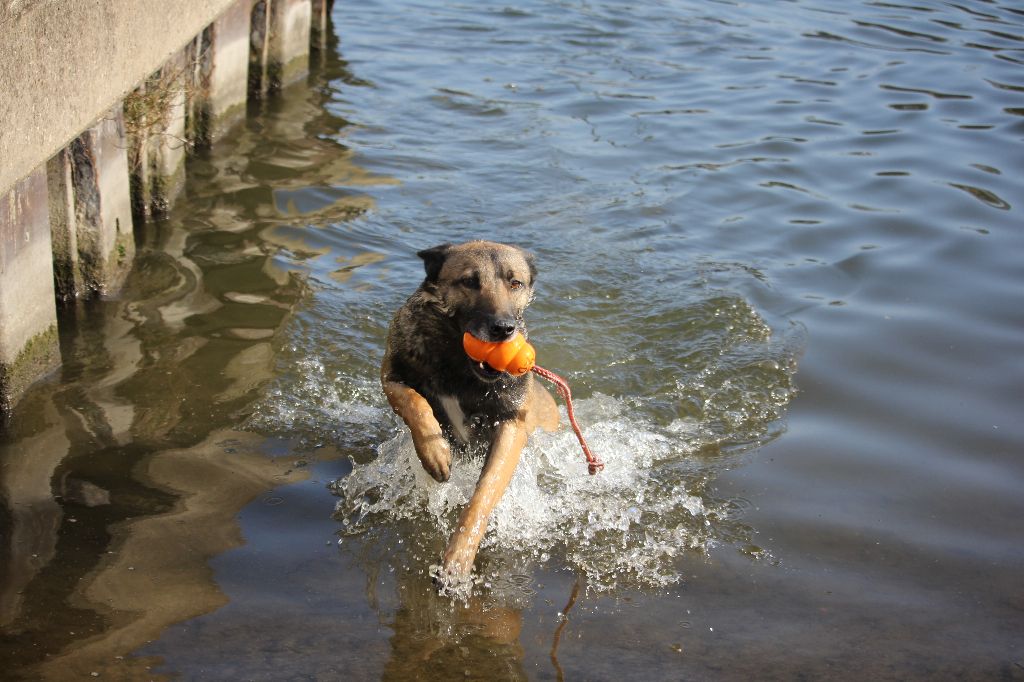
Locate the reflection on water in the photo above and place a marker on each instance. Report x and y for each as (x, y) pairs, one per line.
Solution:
(121, 477)
(779, 265)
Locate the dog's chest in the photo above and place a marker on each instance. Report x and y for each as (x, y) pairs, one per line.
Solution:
(456, 417)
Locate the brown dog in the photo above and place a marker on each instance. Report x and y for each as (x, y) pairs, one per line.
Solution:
(447, 399)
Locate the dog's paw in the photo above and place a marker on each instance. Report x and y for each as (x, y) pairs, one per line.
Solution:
(454, 578)
(436, 457)
(457, 586)
(459, 556)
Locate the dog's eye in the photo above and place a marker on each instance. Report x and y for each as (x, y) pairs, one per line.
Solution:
(470, 282)
(516, 284)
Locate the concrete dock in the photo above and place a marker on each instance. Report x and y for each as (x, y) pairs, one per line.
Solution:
(100, 102)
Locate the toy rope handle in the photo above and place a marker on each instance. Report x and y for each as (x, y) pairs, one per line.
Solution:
(516, 356)
(594, 463)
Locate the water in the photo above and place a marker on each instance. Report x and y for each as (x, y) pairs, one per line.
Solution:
(778, 248)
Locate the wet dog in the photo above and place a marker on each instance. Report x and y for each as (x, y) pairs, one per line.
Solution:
(449, 401)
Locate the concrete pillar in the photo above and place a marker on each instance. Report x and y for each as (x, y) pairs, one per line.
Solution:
(155, 123)
(91, 212)
(68, 279)
(220, 74)
(291, 22)
(279, 49)
(28, 316)
(259, 46)
(321, 25)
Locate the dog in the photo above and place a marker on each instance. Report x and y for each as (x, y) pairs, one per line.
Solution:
(450, 402)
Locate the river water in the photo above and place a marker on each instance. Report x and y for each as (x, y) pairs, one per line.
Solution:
(779, 251)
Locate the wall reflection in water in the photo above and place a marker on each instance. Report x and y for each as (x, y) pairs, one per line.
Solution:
(122, 476)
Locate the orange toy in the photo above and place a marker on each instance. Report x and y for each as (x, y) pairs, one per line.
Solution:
(515, 356)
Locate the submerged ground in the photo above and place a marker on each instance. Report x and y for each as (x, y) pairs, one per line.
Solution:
(779, 265)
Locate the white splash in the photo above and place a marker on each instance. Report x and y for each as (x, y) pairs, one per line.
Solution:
(629, 521)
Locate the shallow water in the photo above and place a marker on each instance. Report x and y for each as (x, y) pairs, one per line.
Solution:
(779, 266)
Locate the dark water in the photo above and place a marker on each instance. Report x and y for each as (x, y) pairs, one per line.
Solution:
(780, 266)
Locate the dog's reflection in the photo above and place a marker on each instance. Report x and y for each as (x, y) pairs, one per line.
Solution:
(436, 635)
(436, 638)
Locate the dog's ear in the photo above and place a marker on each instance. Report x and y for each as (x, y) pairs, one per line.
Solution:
(531, 263)
(433, 260)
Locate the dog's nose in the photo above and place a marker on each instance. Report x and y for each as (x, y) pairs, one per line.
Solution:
(502, 330)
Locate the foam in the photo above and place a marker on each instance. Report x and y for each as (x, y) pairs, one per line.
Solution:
(629, 522)
(632, 524)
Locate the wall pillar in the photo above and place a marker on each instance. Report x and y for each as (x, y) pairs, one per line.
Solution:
(68, 279)
(28, 316)
(220, 74)
(279, 49)
(90, 211)
(291, 22)
(155, 122)
(321, 25)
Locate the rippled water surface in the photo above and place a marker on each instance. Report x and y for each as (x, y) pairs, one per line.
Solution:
(780, 265)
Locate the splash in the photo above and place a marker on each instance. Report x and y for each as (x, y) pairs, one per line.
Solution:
(701, 396)
(320, 406)
(627, 525)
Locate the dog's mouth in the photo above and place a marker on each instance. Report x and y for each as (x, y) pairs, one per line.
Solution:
(484, 371)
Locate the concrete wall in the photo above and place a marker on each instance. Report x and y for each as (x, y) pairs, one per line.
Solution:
(99, 102)
(226, 82)
(28, 312)
(65, 62)
(90, 211)
(289, 39)
(157, 138)
(279, 44)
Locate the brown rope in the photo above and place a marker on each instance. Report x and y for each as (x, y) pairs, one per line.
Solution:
(594, 463)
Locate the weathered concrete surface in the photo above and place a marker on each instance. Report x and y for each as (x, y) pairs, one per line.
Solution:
(229, 51)
(90, 211)
(28, 315)
(280, 42)
(67, 275)
(218, 88)
(259, 49)
(64, 62)
(291, 22)
(155, 115)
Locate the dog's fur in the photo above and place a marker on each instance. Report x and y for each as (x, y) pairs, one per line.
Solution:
(447, 399)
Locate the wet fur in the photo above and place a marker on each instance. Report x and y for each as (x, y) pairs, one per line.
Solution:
(426, 354)
(483, 288)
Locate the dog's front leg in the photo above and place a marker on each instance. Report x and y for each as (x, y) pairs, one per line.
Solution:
(494, 479)
(431, 446)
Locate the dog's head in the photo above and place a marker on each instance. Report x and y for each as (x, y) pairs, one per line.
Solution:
(483, 286)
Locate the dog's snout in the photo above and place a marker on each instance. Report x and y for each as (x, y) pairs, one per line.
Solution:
(502, 329)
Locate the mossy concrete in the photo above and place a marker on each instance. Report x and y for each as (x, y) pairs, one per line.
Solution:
(155, 123)
(217, 91)
(39, 357)
(28, 314)
(90, 211)
(227, 86)
(280, 42)
(290, 36)
(67, 276)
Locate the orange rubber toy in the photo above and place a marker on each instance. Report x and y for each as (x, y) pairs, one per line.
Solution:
(515, 356)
